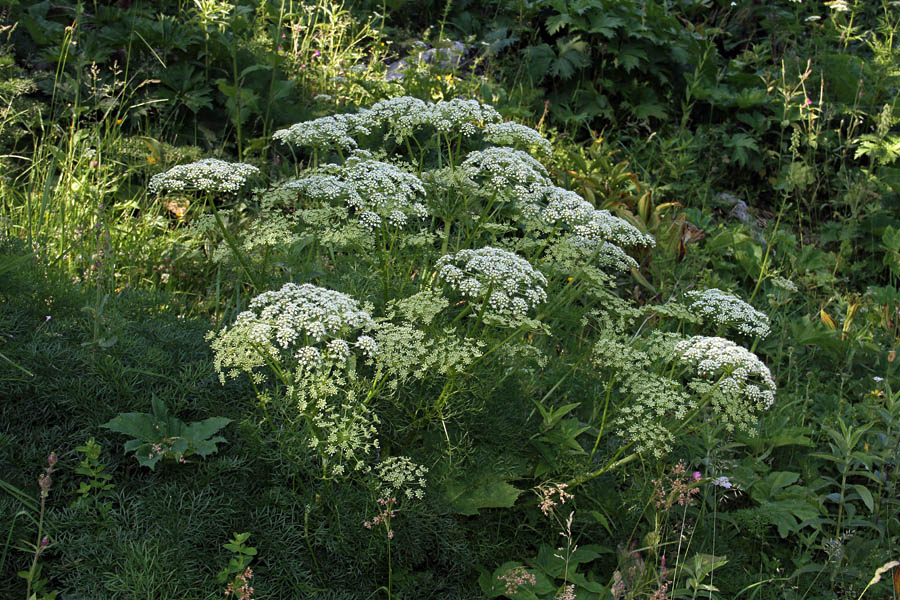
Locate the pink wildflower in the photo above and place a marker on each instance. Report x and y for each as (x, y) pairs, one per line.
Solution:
(567, 593)
(546, 493)
(516, 578)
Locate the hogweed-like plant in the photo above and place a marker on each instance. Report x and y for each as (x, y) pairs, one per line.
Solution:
(735, 382)
(516, 135)
(507, 175)
(334, 131)
(311, 339)
(294, 330)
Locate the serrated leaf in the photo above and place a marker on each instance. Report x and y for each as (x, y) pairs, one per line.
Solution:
(553, 562)
(604, 24)
(207, 447)
(148, 460)
(556, 23)
(483, 491)
(539, 58)
(138, 425)
(205, 428)
(630, 57)
(566, 435)
(571, 54)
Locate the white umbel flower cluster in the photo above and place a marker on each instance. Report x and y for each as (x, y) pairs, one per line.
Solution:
(565, 207)
(516, 135)
(589, 224)
(509, 284)
(376, 191)
(382, 187)
(324, 132)
(724, 309)
(207, 175)
(321, 187)
(509, 174)
(597, 233)
(344, 436)
(403, 116)
(604, 254)
(465, 116)
(605, 226)
(739, 385)
(305, 326)
(400, 475)
(400, 117)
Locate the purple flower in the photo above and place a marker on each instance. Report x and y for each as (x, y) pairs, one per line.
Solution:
(722, 482)
(696, 476)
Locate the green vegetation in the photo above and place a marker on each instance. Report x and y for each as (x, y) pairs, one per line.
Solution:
(535, 300)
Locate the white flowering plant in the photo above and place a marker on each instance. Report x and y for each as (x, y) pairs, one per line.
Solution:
(308, 337)
(446, 300)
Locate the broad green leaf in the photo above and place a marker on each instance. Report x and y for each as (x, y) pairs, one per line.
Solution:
(207, 447)
(483, 491)
(138, 425)
(555, 23)
(630, 57)
(205, 428)
(552, 561)
(866, 496)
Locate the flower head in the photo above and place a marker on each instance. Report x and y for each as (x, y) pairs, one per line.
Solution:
(737, 383)
(516, 135)
(207, 175)
(509, 284)
(724, 309)
(515, 578)
(324, 132)
(511, 175)
(377, 191)
(303, 325)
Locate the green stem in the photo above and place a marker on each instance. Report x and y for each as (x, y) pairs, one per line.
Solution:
(603, 418)
(37, 547)
(229, 239)
(765, 263)
(613, 464)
